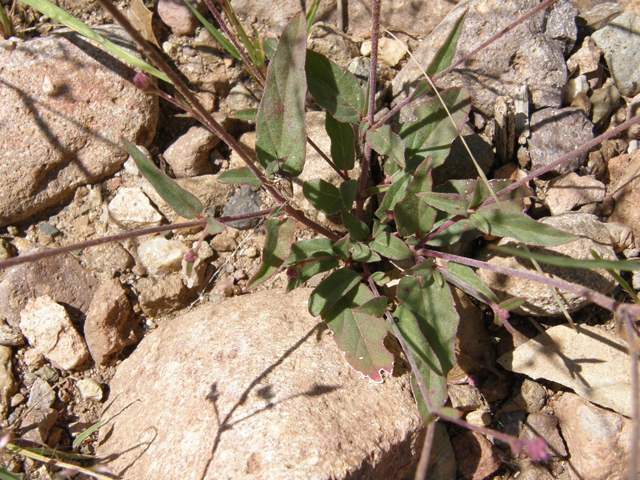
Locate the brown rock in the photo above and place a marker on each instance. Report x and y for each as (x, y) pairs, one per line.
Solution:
(6, 379)
(530, 470)
(545, 427)
(161, 296)
(496, 388)
(48, 329)
(259, 389)
(477, 457)
(626, 193)
(178, 16)
(63, 110)
(189, 154)
(599, 441)
(569, 191)
(36, 425)
(530, 397)
(107, 330)
(62, 278)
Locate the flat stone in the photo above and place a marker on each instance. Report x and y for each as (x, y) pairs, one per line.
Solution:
(131, 209)
(41, 395)
(561, 25)
(62, 278)
(244, 201)
(556, 132)
(189, 154)
(524, 55)
(263, 392)
(620, 43)
(569, 191)
(90, 389)
(598, 441)
(107, 329)
(109, 261)
(47, 328)
(10, 337)
(6, 380)
(179, 17)
(161, 296)
(600, 15)
(160, 256)
(64, 106)
(36, 425)
(465, 397)
(593, 235)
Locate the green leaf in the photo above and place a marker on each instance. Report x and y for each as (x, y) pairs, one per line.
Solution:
(240, 175)
(466, 275)
(214, 227)
(343, 151)
(309, 270)
(276, 249)
(280, 123)
(461, 231)
(415, 339)
(311, 13)
(436, 386)
(375, 306)
(389, 246)
(247, 114)
(512, 303)
(624, 265)
(83, 436)
(437, 319)
(334, 88)
(519, 227)
(359, 334)
(184, 203)
(433, 132)
(385, 142)
(358, 230)
(341, 247)
(348, 192)
(362, 253)
(380, 278)
(424, 269)
(305, 248)
(59, 15)
(414, 217)
(332, 289)
(447, 202)
(446, 52)
(6, 475)
(323, 196)
(269, 45)
(222, 40)
(395, 193)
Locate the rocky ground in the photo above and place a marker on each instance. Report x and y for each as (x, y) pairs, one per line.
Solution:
(120, 333)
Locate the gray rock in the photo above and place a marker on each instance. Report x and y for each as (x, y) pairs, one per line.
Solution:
(600, 15)
(465, 397)
(41, 395)
(107, 329)
(48, 374)
(569, 191)
(160, 256)
(605, 101)
(561, 25)
(620, 43)
(545, 427)
(131, 209)
(5, 250)
(62, 278)
(332, 45)
(64, 105)
(48, 329)
(240, 98)
(176, 15)
(108, 261)
(525, 55)
(10, 337)
(90, 389)
(592, 236)
(36, 425)
(189, 154)
(458, 164)
(244, 201)
(598, 440)
(6, 380)
(554, 133)
(269, 396)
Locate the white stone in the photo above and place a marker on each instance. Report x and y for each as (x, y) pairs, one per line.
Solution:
(571, 190)
(574, 87)
(161, 256)
(89, 389)
(132, 209)
(6, 379)
(48, 329)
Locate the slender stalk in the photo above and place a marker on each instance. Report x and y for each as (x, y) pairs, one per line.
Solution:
(232, 38)
(595, 297)
(584, 148)
(375, 33)
(425, 454)
(205, 117)
(441, 228)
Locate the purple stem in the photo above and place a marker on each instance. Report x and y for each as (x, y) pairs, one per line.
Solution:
(425, 454)
(205, 117)
(442, 227)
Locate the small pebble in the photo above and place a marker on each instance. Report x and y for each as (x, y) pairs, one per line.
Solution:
(48, 374)
(49, 229)
(90, 389)
(17, 399)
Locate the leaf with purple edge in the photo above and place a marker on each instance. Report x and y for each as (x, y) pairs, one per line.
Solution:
(390, 246)
(332, 289)
(343, 151)
(413, 216)
(385, 142)
(360, 334)
(276, 249)
(323, 196)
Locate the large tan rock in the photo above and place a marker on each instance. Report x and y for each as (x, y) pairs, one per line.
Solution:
(254, 388)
